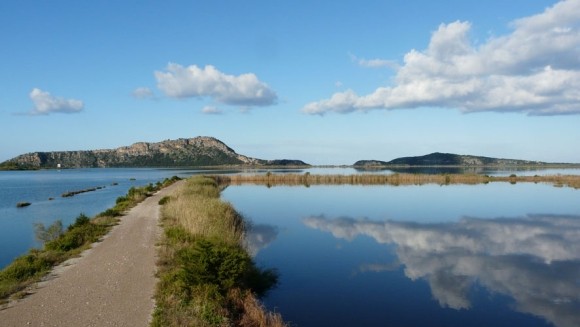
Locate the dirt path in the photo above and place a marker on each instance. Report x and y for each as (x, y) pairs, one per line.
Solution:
(111, 285)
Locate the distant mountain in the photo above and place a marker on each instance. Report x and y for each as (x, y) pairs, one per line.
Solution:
(198, 151)
(448, 159)
(285, 162)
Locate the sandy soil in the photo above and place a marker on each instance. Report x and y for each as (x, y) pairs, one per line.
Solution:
(112, 284)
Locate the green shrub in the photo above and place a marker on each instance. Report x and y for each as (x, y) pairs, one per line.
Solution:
(76, 238)
(81, 220)
(111, 212)
(164, 200)
(217, 264)
(224, 265)
(121, 199)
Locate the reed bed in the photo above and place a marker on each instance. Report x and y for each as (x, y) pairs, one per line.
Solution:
(393, 179)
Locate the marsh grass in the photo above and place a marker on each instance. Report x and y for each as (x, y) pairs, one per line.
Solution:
(206, 277)
(61, 245)
(393, 179)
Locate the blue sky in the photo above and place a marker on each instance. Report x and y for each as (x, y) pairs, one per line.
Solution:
(328, 82)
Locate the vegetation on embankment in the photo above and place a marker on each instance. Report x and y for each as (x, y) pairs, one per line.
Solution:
(206, 277)
(60, 245)
(307, 179)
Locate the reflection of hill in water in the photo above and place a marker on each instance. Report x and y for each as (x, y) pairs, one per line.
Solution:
(535, 259)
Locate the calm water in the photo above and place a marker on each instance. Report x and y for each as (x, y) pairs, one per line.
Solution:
(496, 254)
(36, 187)
(486, 255)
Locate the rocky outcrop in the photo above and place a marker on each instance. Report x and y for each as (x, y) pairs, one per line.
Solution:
(198, 151)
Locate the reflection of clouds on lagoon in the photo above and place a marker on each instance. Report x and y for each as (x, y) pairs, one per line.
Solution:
(533, 259)
(260, 236)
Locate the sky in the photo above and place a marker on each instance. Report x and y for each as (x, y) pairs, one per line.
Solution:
(326, 82)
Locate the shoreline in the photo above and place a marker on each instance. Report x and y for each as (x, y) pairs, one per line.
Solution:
(111, 282)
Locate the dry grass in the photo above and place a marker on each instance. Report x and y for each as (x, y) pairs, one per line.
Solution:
(394, 179)
(254, 313)
(205, 216)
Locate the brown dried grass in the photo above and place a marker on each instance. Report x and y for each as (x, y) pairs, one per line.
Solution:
(394, 179)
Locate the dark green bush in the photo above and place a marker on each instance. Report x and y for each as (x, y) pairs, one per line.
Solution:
(226, 266)
(121, 199)
(81, 220)
(111, 212)
(164, 200)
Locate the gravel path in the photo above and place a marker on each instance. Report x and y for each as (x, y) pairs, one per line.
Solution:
(112, 284)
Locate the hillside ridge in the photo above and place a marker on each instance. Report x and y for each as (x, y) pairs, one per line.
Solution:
(182, 152)
(449, 159)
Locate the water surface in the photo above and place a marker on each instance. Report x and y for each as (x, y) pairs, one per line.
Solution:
(484, 255)
(43, 189)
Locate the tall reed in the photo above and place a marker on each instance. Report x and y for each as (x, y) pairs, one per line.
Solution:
(393, 179)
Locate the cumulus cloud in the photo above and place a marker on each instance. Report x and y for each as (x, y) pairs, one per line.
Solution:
(192, 81)
(535, 70)
(143, 93)
(211, 110)
(534, 259)
(45, 103)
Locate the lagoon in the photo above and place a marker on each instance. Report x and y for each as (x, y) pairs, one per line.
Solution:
(457, 255)
(43, 189)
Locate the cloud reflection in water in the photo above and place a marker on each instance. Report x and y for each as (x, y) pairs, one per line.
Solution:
(259, 236)
(533, 259)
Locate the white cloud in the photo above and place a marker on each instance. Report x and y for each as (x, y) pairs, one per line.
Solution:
(185, 82)
(143, 93)
(211, 110)
(534, 70)
(45, 103)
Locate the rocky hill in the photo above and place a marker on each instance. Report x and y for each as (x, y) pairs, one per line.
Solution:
(448, 159)
(198, 151)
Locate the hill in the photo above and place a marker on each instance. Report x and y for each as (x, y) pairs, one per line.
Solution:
(198, 151)
(448, 159)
